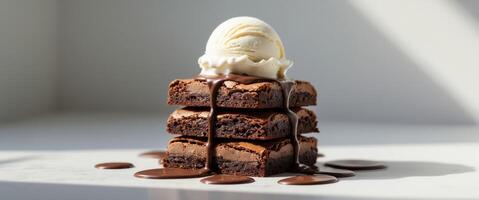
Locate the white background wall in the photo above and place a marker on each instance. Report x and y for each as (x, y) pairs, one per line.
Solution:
(120, 55)
(28, 57)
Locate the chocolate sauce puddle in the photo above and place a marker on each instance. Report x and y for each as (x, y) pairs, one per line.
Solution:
(354, 164)
(338, 173)
(169, 173)
(114, 165)
(308, 180)
(227, 179)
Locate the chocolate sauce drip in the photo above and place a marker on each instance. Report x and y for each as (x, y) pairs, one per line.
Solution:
(227, 179)
(114, 165)
(214, 84)
(287, 87)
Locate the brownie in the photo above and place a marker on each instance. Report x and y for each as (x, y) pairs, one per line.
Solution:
(250, 158)
(192, 92)
(240, 124)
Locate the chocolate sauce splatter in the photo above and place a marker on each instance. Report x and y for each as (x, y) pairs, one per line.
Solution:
(308, 180)
(227, 179)
(114, 165)
(355, 164)
(169, 173)
(338, 173)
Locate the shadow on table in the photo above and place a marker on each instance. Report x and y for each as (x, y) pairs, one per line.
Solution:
(405, 169)
(18, 159)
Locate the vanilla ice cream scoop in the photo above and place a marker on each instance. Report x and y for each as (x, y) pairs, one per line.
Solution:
(244, 45)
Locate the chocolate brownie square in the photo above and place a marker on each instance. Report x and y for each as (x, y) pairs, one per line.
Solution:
(268, 94)
(250, 158)
(240, 124)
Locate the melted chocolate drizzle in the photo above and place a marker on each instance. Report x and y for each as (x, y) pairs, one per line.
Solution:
(214, 84)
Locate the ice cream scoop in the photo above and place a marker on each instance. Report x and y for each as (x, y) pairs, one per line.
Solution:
(244, 45)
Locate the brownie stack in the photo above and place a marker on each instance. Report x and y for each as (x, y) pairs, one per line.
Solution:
(252, 134)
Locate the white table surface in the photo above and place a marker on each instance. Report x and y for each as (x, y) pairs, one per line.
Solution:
(52, 157)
